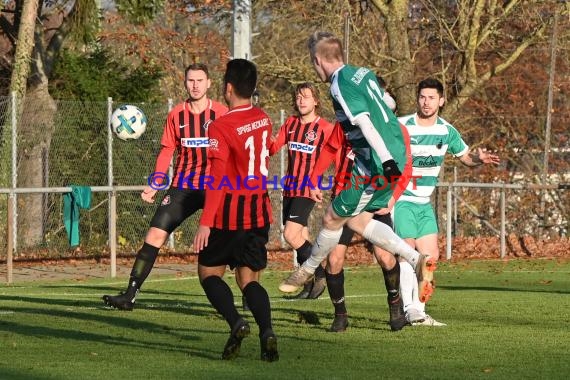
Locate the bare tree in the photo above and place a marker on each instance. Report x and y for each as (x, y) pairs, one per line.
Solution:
(24, 48)
(35, 53)
(491, 55)
(43, 28)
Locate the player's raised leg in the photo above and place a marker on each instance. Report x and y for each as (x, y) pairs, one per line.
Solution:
(326, 240)
(177, 206)
(142, 267)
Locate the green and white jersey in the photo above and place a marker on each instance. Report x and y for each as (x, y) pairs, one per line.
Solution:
(429, 145)
(355, 91)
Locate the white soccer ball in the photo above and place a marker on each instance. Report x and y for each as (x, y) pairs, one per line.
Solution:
(128, 122)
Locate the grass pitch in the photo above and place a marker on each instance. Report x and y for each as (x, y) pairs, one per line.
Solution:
(505, 320)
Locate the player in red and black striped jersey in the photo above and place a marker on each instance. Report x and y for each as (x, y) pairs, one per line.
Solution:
(185, 132)
(234, 227)
(304, 135)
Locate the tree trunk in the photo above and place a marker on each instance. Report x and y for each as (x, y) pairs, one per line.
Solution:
(24, 48)
(34, 139)
(403, 81)
(30, 218)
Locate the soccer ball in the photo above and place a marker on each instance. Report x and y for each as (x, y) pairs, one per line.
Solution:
(128, 122)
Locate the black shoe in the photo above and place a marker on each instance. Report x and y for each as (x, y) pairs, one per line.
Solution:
(319, 286)
(122, 301)
(269, 348)
(304, 294)
(397, 316)
(244, 304)
(340, 323)
(233, 345)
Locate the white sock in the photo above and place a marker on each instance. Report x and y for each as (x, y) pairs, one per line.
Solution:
(407, 281)
(416, 303)
(421, 306)
(383, 236)
(324, 243)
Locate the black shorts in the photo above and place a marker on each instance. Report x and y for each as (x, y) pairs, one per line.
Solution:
(297, 209)
(386, 219)
(348, 234)
(176, 206)
(239, 248)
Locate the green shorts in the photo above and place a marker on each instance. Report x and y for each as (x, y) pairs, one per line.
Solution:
(356, 197)
(414, 220)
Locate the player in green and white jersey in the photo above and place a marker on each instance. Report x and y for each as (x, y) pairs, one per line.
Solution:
(381, 154)
(431, 137)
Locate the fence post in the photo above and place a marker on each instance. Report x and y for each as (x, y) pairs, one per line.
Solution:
(10, 248)
(455, 228)
(171, 176)
(448, 210)
(14, 196)
(503, 222)
(112, 194)
(281, 174)
(12, 216)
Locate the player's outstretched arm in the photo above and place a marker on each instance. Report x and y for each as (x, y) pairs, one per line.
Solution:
(148, 194)
(277, 141)
(156, 180)
(480, 157)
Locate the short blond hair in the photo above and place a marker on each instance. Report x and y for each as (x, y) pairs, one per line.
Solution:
(327, 45)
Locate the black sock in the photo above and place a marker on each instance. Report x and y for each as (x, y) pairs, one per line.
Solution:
(304, 251)
(320, 272)
(392, 281)
(335, 285)
(258, 302)
(144, 262)
(222, 299)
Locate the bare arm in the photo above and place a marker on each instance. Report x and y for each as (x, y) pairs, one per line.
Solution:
(480, 157)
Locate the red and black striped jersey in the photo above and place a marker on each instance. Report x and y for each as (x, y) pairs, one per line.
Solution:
(187, 133)
(337, 150)
(343, 166)
(236, 189)
(304, 144)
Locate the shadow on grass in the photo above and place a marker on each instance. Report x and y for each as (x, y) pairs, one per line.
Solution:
(323, 320)
(13, 374)
(161, 304)
(502, 289)
(67, 334)
(130, 334)
(104, 289)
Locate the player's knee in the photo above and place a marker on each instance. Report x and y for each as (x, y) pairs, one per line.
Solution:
(384, 258)
(335, 262)
(332, 221)
(291, 233)
(156, 237)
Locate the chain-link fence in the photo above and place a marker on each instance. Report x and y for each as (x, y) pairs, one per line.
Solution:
(82, 152)
(75, 147)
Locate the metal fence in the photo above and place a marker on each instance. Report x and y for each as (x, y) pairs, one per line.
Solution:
(82, 151)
